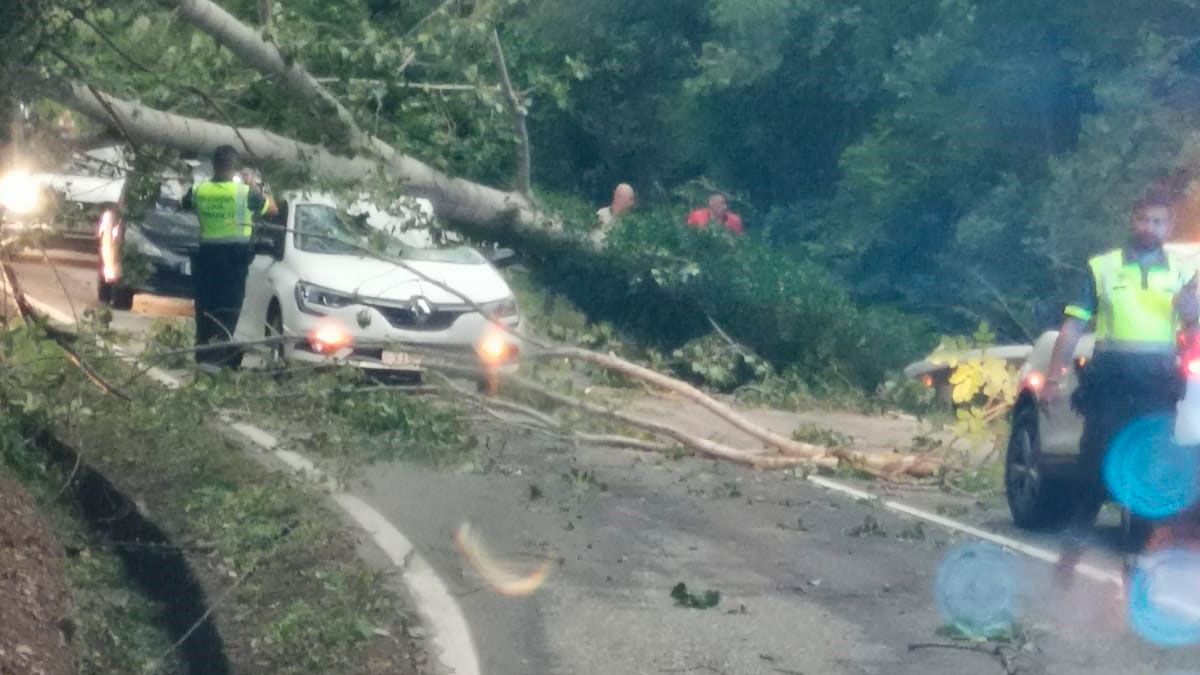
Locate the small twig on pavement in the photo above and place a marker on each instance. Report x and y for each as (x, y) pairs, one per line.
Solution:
(996, 652)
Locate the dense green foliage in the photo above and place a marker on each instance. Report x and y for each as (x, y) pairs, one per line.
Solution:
(951, 158)
(904, 145)
(667, 285)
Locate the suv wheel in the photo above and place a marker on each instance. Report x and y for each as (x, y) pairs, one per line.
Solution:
(1135, 532)
(114, 295)
(1036, 501)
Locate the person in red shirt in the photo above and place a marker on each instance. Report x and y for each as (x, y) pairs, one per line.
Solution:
(718, 210)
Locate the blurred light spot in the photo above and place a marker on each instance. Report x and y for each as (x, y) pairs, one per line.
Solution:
(977, 588)
(1150, 474)
(497, 575)
(1164, 598)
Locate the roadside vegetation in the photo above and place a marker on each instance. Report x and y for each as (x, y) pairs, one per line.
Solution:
(116, 627)
(287, 590)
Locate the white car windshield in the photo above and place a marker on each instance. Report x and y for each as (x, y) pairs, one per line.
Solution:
(322, 229)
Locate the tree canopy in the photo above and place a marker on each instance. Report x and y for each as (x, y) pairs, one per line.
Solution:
(899, 145)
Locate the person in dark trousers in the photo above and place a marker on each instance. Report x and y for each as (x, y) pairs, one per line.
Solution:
(1139, 296)
(226, 207)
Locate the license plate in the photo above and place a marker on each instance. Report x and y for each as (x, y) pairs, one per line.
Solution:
(186, 268)
(400, 359)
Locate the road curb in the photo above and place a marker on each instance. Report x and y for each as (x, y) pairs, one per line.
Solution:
(443, 616)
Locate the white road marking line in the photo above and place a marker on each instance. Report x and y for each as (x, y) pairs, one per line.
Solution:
(448, 627)
(1086, 570)
(437, 606)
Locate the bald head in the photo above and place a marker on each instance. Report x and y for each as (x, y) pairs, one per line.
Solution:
(623, 199)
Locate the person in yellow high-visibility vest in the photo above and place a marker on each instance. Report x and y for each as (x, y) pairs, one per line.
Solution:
(1138, 297)
(226, 206)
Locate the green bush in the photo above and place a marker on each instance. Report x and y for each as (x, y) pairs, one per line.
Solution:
(659, 283)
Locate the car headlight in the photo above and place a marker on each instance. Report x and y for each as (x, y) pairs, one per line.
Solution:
(143, 245)
(312, 299)
(501, 308)
(19, 192)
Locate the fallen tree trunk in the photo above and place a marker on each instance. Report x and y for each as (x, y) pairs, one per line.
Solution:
(266, 58)
(699, 445)
(787, 446)
(454, 199)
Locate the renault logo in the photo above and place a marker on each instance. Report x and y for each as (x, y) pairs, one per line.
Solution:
(421, 308)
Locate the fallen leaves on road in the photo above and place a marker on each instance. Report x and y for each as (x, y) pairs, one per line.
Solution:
(706, 600)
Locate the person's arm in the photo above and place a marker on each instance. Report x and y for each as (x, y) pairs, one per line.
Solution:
(734, 223)
(187, 202)
(1187, 304)
(698, 218)
(261, 205)
(1077, 316)
(1064, 348)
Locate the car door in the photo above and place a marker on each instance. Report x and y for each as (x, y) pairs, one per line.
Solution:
(260, 289)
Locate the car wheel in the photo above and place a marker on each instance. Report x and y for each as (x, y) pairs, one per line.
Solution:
(1036, 501)
(1135, 532)
(114, 295)
(278, 350)
(103, 290)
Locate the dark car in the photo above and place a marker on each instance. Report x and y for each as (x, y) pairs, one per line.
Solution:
(148, 255)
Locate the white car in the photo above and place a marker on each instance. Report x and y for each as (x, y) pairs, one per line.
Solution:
(313, 283)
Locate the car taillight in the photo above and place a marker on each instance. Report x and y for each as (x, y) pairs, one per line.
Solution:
(1191, 365)
(1189, 352)
(109, 245)
(1035, 381)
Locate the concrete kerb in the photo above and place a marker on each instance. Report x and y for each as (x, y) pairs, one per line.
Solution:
(443, 616)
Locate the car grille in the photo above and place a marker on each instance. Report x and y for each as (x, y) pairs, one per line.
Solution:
(405, 318)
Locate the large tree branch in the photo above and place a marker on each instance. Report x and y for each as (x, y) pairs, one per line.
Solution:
(454, 199)
(265, 57)
(518, 113)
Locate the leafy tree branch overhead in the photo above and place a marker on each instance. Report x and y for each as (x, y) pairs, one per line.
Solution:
(896, 144)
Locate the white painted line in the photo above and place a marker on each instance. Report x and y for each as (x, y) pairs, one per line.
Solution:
(153, 372)
(1088, 571)
(257, 436)
(842, 487)
(448, 627)
(437, 606)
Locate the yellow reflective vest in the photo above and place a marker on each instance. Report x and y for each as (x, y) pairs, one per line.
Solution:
(1135, 310)
(224, 212)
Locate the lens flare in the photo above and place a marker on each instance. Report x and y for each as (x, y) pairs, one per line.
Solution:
(329, 337)
(1148, 472)
(493, 348)
(977, 589)
(497, 574)
(19, 192)
(1164, 598)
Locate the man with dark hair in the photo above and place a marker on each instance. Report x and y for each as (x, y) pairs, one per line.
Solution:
(1139, 296)
(226, 205)
(717, 211)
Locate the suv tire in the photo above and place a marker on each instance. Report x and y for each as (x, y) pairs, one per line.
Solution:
(1036, 500)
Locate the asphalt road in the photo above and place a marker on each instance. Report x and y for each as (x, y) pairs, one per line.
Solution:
(808, 584)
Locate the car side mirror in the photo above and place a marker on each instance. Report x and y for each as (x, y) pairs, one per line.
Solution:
(502, 257)
(269, 245)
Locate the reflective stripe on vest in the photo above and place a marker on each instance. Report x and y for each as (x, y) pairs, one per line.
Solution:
(1135, 310)
(224, 211)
